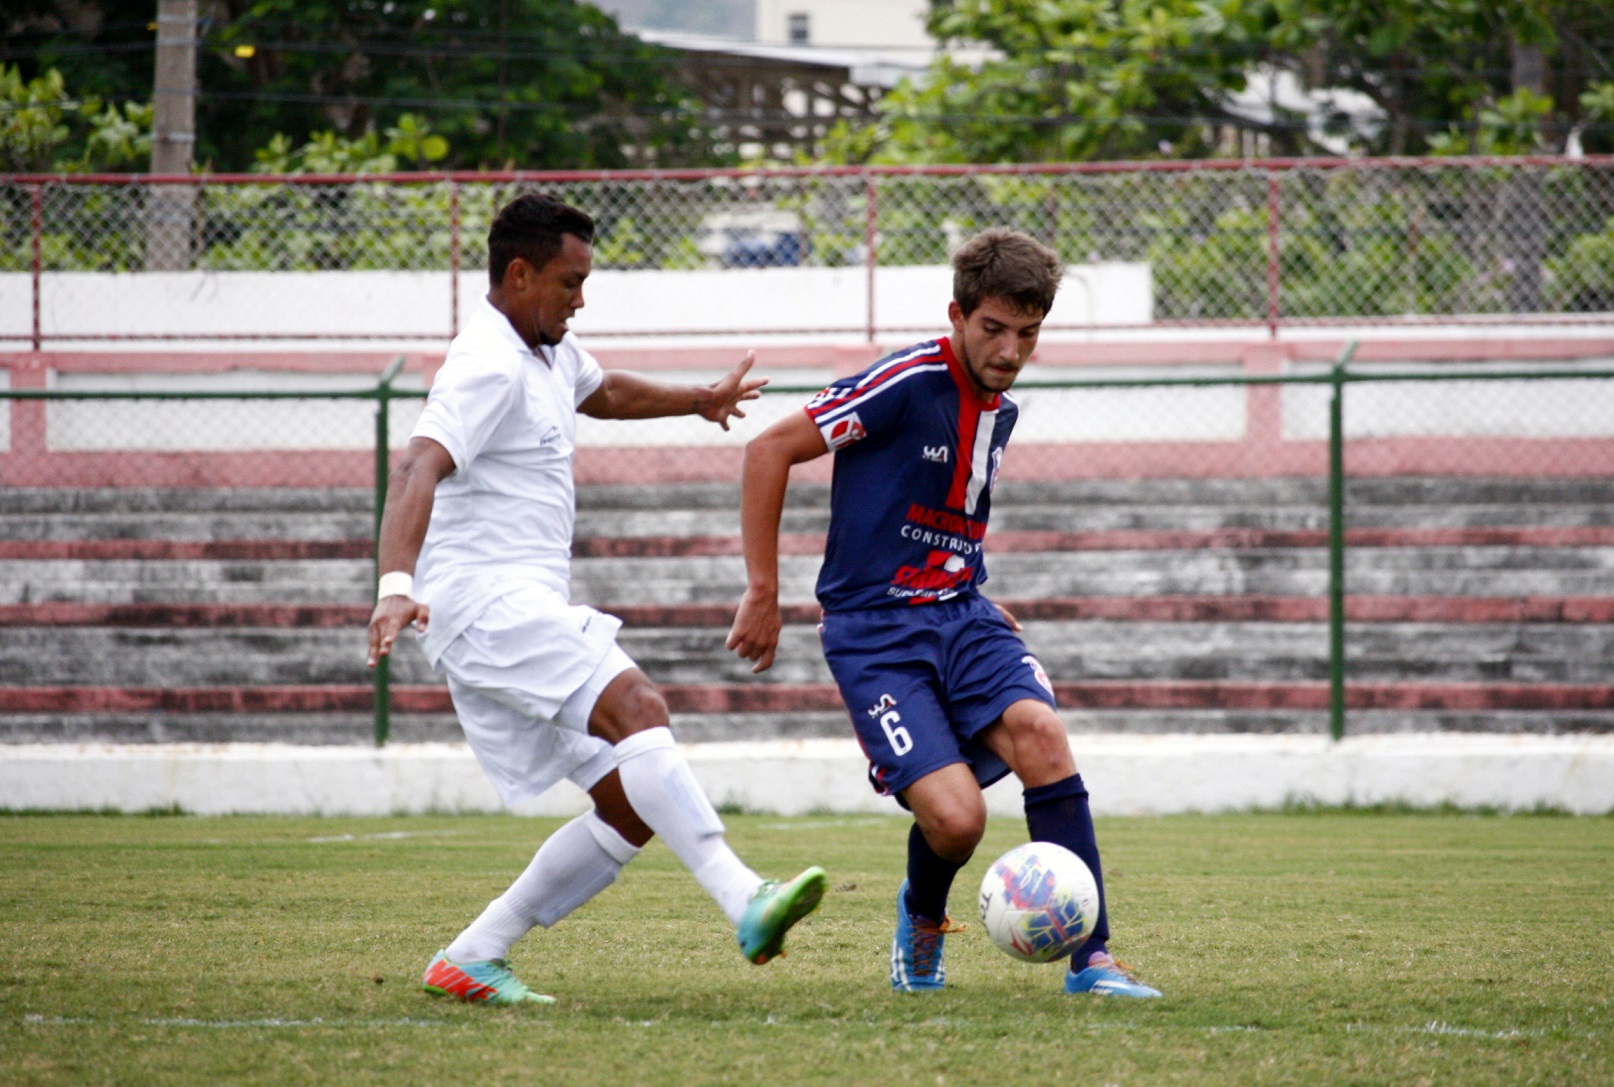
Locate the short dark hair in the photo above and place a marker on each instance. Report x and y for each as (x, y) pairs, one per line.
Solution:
(1006, 264)
(531, 227)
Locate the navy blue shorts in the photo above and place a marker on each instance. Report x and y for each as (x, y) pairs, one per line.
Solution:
(921, 682)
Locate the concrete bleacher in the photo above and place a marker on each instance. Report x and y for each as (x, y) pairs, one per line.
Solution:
(1484, 605)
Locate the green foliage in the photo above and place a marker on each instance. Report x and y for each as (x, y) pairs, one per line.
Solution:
(1582, 280)
(525, 84)
(359, 227)
(1515, 125)
(43, 129)
(1067, 80)
(410, 144)
(31, 125)
(528, 84)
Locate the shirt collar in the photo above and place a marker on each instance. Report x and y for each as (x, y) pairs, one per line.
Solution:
(506, 331)
(965, 388)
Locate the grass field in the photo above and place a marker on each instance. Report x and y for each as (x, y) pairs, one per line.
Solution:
(1305, 948)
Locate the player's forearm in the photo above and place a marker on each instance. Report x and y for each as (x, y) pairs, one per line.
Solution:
(630, 396)
(411, 489)
(763, 480)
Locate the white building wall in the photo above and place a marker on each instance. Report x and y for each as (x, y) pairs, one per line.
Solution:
(864, 24)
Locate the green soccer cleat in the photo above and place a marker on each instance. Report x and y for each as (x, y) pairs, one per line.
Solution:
(489, 982)
(773, 909)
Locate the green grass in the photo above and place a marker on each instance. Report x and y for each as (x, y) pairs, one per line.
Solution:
(1304, 947)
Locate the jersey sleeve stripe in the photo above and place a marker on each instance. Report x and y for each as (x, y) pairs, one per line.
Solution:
(887, 371)
(922, 353)
(825, 413)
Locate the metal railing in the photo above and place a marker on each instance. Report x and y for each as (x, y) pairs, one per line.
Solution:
(1275, 245)
(1560, 430)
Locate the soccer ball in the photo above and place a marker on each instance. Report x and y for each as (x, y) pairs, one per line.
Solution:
(1039, 902)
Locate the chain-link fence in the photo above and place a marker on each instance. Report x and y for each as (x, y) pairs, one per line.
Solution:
(1271, 244)
(1424, 547)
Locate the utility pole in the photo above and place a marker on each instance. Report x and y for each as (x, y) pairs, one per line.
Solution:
(171, 209)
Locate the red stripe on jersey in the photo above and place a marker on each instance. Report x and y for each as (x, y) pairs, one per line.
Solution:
(970, 406)
(969, 418)
(929, 358)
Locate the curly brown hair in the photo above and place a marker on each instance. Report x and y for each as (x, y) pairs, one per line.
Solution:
(1006, 264)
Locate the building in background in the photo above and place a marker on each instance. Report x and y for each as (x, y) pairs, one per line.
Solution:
(774, 76)
(886, 25)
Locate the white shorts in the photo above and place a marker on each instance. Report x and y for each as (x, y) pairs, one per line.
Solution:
(524, 677)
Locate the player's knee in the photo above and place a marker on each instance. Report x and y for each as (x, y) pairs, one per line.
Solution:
(1041, 745)
(628, 707)
(954, 832)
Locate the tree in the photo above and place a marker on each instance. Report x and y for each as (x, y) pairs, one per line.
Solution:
(1464, 76)
(1070, 79)
(518, 83)
(44, 129)
(531, 84)
(1085, 79)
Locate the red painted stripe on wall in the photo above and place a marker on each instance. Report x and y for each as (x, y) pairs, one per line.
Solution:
(782, 698)
(792, 543)
(185, 550)
(1135, 609)
(1536, 458)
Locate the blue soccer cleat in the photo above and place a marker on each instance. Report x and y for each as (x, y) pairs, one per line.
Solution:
(917, 965)
(773, 909)
(489, 982)
(1107, 977)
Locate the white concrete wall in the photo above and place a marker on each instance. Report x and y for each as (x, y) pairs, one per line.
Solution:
(312, 304)
(1129, 775)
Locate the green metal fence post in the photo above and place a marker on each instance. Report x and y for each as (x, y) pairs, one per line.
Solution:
(383, 465)
(1336, 547)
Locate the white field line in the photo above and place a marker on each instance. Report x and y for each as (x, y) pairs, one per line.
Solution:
(388, 836)
(1435, 1027)
(229, 1024)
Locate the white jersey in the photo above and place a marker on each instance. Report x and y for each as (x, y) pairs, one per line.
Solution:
(507, 415)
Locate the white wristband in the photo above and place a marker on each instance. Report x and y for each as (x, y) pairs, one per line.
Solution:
(396, 583)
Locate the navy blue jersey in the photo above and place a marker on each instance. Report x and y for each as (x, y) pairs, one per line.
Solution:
(916, 454)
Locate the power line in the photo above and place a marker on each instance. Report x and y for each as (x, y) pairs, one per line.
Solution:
(493, 47)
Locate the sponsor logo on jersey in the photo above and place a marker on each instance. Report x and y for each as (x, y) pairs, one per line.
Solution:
(943, 574)
(843, 432)
(936, 454)
(945, 521)
(885, 703)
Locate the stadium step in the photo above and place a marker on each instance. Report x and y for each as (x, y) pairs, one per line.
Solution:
(1160, 606)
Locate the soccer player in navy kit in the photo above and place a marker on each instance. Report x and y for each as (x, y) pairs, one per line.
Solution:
(944, 696)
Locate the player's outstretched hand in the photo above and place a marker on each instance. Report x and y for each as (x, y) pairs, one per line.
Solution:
(391, 615)
(755, 633)
(727, 395)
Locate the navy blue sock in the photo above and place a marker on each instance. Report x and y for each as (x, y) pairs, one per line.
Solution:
(1058, 813)
(929, 878)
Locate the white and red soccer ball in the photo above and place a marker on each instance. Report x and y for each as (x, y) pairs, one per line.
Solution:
(1039, 902)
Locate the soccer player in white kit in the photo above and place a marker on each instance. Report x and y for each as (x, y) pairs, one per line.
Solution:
(475, 547)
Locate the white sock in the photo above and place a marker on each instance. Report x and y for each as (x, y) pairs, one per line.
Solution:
(574, 864)
(662, 789)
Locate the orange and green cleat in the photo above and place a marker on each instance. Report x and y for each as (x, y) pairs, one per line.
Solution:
(773, 909)
(489, 982)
